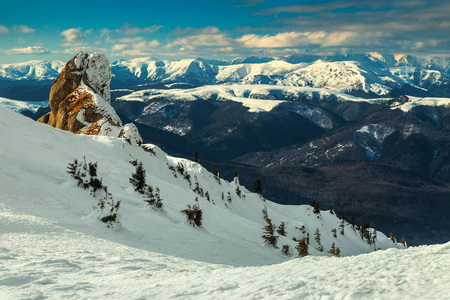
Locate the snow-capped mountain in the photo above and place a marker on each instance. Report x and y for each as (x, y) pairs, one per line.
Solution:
(369, 75)
(32, 70)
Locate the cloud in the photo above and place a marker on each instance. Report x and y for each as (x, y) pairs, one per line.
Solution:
(73, 35)
(300, 39)
(23, 29)
(131, 40)
(118, 47)
(146, 44)
(74, 50)
(4, 29)
(203, 40)
(200, 37)
(128, 29)
(194, 31)
(26, 50)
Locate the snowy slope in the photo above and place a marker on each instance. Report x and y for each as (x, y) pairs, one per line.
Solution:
(52, 244)
(232, 229)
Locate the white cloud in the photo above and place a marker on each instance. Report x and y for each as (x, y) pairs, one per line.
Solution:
(203, 40)
(26, 50)
(145, 44)
(73, 35)
(119, 47)
(21, 41)
(304, 39)
(4, 29)
(23, 29)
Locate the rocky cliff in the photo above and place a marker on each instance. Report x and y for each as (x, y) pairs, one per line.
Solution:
(80, 99)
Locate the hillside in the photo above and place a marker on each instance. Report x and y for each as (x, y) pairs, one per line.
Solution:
(53, 244)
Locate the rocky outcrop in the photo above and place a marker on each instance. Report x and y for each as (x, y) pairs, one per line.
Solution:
(80, 99)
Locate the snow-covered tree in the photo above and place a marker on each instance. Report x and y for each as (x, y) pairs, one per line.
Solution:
(269, 234)
(138, 179)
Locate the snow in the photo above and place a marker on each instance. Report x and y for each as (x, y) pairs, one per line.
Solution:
(53, 246)
(19, 105)
(426, 101)
(257, 98)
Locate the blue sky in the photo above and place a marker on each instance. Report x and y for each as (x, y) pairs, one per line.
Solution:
(220, 28)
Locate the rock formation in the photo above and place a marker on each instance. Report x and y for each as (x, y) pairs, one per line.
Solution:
(80, 99)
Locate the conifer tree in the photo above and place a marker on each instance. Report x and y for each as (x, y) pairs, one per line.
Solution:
(316, 206)
(229, 197)
(331, 210)
(257, 186)
(285, 250)
(342, 226)
(196, 156)
(158, 200)
(235, 174)
(302, 247)
(214, 168)
(403, 242)
(332, 251)
(281, 229)
(264, 211)
(194, 214)
(269, 234)
(317, 238)
(138, 179)
(334, 231)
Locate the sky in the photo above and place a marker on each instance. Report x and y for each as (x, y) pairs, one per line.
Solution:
(176, 29)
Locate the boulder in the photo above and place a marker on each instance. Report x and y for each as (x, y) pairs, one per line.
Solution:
(80, 99)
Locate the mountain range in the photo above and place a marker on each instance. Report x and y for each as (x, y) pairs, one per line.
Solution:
(365, 134)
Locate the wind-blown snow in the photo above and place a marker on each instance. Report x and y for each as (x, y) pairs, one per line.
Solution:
(53, 246)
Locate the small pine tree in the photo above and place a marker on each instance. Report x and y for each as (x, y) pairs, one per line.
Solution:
(235, 174)
(214, 169)
(281, 229)
(194, 214)
(285, 250)
(264, 211)
(149, 196)
(138, 179)
(342, 226)
(269, 234)
(196, 156)
(317, 238)
(336, 252)
(332, 251)
(334, 231)
(257, 186)
(158, 200)
(229, 197)
(392, 237)
(302, 247)
(403, 242)
(207, 196)
(331, 210)
(316, 206)
(238, 192)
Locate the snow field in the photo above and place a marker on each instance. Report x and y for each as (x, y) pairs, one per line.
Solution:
(53, 246)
